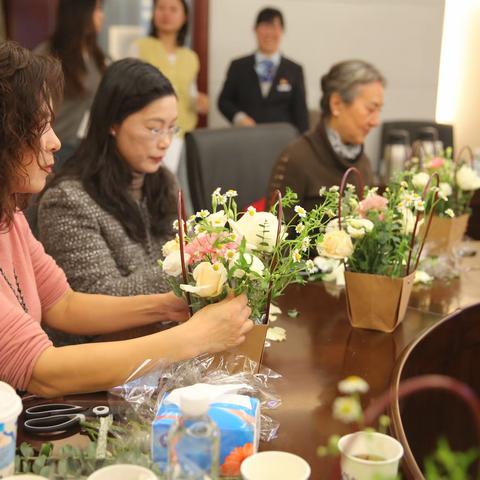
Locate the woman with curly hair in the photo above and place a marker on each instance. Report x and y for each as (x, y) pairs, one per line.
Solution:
(33, 289)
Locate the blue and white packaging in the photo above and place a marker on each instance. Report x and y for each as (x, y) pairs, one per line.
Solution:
(237, 417)
(10, 409)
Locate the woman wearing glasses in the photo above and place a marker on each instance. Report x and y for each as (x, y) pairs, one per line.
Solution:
(33, 290)
(106, 215)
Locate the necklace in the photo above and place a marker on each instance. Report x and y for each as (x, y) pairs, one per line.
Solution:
(17, 291)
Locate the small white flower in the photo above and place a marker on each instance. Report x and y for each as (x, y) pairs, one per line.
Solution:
(230, 254)
(217, 219)
(445, 189)
(198, 229)
(296, 256)
(299, 227)
(217, 192)
(353, 384)
(310, 266)
(300, 211)
(347, 409)
(231, 193)
(203, 214)
(334, 188)
(404, 184)
(322, 191)
(175, 225)
(449, 212)
(305, 244)
(251, 210)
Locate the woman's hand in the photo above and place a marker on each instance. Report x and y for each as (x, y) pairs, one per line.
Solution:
(220, 326)
(172, 308)
(202, 103)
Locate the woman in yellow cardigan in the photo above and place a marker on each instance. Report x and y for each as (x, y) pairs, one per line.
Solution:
(165, 49)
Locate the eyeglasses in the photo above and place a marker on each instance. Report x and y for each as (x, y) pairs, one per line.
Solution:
(163, 133)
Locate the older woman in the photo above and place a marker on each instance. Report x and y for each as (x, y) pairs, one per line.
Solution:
(352, 98)
(33, 289)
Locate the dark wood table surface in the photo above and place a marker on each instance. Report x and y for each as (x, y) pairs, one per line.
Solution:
(321, 349)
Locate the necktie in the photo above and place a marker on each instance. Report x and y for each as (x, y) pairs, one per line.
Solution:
(266, 71)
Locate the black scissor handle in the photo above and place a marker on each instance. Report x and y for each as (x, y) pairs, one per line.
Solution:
(51, 409)
(55, 423)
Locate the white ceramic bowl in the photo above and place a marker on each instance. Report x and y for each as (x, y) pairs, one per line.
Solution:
(123, 472)
(275, 466)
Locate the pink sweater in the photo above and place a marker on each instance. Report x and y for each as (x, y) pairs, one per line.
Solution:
(42, 283)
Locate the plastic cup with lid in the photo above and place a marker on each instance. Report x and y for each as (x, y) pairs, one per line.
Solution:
(10, 409)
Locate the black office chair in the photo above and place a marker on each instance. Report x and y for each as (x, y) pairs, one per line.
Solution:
(415, 130)
(239, 158)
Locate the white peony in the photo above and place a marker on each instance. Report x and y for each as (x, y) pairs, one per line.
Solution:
(209, 278)
(420, 179)
(172, 265)
(258, 228)
(467, 178)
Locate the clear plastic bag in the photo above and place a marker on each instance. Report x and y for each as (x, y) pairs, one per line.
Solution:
(143, 394)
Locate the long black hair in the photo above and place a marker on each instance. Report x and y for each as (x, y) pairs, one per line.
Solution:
(75, 33)
(128, 86)
(182, 33)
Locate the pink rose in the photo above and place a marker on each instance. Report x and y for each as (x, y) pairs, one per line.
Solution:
(437, 162)
(372, 202)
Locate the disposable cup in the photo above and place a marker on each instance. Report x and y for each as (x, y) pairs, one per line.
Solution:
(123, 472)
(367, 455)
(10, 409)
(275, 465)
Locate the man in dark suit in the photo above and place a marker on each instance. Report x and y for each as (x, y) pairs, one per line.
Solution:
(265, 87)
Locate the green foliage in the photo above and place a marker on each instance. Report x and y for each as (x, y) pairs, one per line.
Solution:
(445, 464)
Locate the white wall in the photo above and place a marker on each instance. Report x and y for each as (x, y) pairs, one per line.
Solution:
(401, 37)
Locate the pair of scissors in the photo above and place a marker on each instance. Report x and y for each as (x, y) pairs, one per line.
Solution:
(58, 417)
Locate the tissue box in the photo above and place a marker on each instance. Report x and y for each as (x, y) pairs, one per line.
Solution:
(237, 417)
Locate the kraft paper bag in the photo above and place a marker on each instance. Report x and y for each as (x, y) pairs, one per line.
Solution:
(377, 302)
(252, 347)
(445, 233)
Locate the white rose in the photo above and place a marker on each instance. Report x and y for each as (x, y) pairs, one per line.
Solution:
(172, 265)
(254, 264)
(258, 228)
(217, 219)
(358, 227)
(419, 180)
(170, 247)
(335, 244)
(467, 178)
(209, 278)
(445, 189)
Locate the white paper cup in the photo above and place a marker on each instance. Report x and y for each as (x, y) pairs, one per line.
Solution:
(10, 409)
(373, 444)
(275, 466)
(123, 472)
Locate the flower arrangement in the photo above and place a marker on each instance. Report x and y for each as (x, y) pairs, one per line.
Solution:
(458, 180)
(374, 232)
(242, 252)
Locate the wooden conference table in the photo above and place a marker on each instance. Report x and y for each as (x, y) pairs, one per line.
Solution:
(321, 349)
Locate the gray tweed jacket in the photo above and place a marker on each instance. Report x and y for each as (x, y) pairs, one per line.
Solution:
(91, 246)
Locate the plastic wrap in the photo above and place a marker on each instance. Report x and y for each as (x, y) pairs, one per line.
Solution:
(141, 396)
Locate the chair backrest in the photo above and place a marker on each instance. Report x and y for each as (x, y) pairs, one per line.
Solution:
(239, 158)
(414, 129)
(451, 347)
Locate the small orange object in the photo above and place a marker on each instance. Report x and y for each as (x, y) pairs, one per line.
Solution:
(231, 466)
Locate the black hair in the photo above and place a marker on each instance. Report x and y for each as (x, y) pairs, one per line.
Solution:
(182, 33)
(268, 15)
(128, 86)
(74, 33)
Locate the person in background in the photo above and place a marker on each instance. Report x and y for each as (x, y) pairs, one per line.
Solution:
(33, 289)
(165, 49)
(106, 215)
(74, 43)
(266, 86)
(352, 99)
